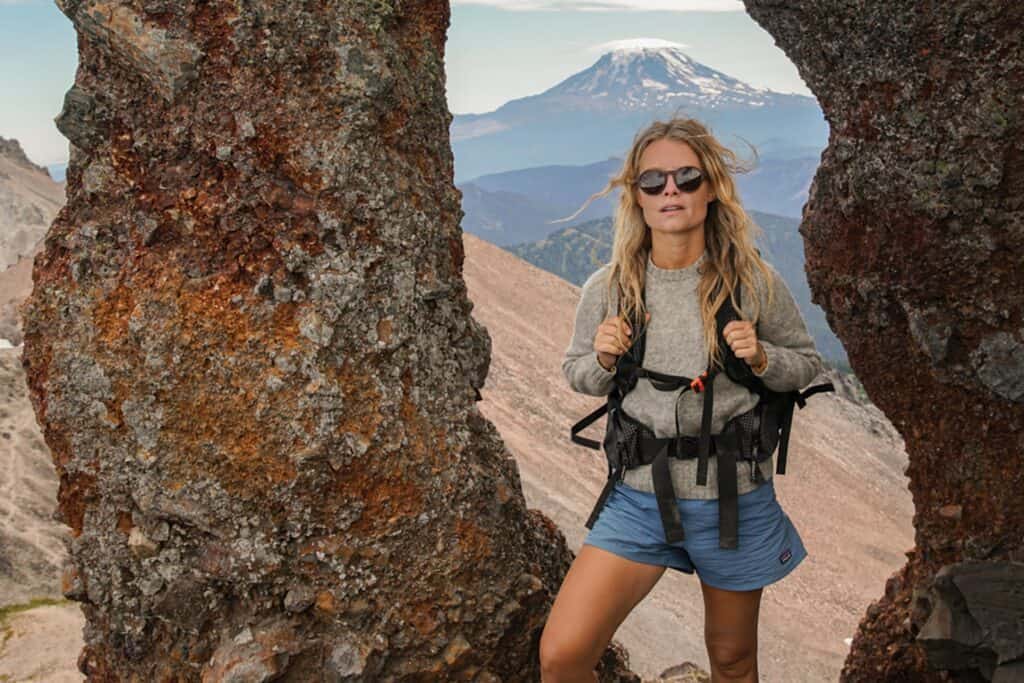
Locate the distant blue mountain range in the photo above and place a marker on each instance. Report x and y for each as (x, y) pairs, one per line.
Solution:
(595, 113)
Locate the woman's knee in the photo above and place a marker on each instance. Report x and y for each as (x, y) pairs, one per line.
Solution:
(731, 658)
(563, 656)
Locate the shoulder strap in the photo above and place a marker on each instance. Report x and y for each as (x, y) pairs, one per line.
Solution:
(636, 350)
(736, 368)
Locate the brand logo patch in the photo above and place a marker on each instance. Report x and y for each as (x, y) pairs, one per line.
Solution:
(784, 557)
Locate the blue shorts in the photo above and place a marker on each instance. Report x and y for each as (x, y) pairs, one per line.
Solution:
(769, 546)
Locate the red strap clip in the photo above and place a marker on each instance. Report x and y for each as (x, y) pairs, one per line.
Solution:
(698, 382)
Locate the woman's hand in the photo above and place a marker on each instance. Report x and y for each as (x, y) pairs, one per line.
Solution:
(613, 338)
(742, 339)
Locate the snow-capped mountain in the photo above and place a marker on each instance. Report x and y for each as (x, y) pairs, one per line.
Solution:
(644, 77)
(594, 114)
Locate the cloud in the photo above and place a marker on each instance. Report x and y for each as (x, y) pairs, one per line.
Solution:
(610, 5)
(633, 43)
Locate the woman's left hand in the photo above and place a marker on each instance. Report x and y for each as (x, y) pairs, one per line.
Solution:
(742, 339)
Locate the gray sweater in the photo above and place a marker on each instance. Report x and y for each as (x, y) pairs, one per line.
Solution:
(675, 345)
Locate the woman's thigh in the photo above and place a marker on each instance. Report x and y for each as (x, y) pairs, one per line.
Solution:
(730, 622)
(598, 593)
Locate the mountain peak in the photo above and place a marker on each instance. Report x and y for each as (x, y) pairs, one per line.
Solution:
(649, 72)
(11, 149)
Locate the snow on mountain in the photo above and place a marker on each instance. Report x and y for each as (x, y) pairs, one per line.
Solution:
(642, 76)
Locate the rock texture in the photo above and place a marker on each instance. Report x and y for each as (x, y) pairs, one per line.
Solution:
(974, 618)
(913, 235)
(251, 353)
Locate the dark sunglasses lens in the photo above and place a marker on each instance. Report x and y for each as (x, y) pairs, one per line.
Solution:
(652, 182)
(688, 179)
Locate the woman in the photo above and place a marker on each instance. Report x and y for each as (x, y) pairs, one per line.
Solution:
(682, 242)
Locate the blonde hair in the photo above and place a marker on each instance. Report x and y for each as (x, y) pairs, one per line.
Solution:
(729, 231)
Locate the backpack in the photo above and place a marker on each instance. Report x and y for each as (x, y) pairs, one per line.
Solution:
(752, 436)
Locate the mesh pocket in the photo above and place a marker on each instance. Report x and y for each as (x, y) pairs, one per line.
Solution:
(748, 426)
(771, 424)
(629, 440)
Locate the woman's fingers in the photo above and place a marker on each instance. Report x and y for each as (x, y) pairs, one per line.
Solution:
(613, 336)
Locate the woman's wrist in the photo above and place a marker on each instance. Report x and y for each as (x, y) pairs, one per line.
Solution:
(761, 361)
(598, 356)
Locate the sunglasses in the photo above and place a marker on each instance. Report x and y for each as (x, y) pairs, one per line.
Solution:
(687, 179)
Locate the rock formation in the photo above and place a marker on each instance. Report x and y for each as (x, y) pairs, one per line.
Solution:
(251, 353)
(913, 236)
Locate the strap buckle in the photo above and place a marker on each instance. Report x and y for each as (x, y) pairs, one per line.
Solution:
(697, 384)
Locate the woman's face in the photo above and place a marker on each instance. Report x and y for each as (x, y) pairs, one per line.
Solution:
(667, 154)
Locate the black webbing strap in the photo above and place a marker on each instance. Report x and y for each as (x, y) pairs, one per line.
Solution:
(705, 428)
(811, 391)
(728, 499)
(665, 493)
(616, 469)
(605, 492)
(583, 424)
(800, 398)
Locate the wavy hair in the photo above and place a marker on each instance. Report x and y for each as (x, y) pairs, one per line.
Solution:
(729, 232)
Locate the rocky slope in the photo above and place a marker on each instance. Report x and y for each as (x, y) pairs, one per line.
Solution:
(29, 201)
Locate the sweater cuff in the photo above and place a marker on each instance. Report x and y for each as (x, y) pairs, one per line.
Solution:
(774, 365)
(600, 368)
(598, 374)
(767, 363)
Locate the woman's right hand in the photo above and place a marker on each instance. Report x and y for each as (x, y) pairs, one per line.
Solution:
(613, 338)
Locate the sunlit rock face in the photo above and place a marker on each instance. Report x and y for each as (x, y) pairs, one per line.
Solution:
(251, 353)
(913, 234)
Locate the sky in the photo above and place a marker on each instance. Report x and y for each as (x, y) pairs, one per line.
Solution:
(497, 50)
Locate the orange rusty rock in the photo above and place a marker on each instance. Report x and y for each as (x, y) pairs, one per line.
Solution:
(503, 493)
(205, 199)
(72, 583)
(422, 615)
(952, 511)
(387, 492)
(111, 312)
(124, 522)
(384, 326)
(473, 541)
(197, 412)
(326, 602)
(333, 545)
(73, 496)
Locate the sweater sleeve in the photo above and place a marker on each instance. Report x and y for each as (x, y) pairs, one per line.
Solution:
(580, 366)
(793, 360)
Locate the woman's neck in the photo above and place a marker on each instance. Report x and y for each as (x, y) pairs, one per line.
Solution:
(681, 252)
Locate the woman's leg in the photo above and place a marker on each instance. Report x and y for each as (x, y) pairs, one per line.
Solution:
(599, 591)
(730, 633)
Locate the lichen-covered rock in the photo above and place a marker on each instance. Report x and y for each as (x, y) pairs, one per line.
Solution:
(914, 238)
(976, 619)
(250, 350)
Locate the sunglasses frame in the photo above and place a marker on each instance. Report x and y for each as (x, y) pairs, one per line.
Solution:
(687, 185)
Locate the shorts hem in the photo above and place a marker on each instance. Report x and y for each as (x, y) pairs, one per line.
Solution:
(637, 557)
(760, 583)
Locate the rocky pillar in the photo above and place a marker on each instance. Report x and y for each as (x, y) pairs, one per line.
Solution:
(914, 235)
(250, 349)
